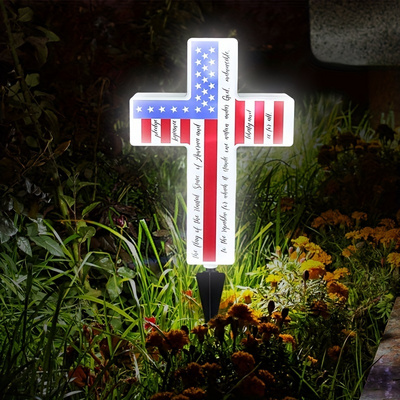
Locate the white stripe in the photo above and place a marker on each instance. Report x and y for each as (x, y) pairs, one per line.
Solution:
(249, 122)
(136, 131)
(268, 122)
(156, 131)
(195, 192)
(175, 131)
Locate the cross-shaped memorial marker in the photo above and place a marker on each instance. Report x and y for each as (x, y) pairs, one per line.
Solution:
(211, 120)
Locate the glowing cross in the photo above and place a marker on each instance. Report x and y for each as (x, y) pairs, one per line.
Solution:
(211, 120)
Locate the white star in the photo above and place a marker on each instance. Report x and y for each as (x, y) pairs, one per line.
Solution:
(205, 79)
(212, 62)
(198, 86)
(212, 74)
(139, 109)
(211, 85)
(205, 91)
(212, 49)
(198, 62)
(211, 97)
(198, 74)
(198, 98)
(150, 109)
(198, 50)
(205, 55)
(211, 109)
(162, 109)
(173, 109)
(198, 109)
(204, 103)
(204, 67)
(185, 109)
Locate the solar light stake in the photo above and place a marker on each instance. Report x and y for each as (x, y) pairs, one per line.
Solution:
(211, 284)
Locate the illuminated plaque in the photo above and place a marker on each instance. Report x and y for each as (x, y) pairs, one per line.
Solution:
(211, 121)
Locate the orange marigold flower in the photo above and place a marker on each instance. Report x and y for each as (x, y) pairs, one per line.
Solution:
(289, 398)
(200, 331)
(338, 289)
(253, 387)
(162, 396)
(194, 393)
(228, 302)
(322, 257)
(316, 273)
(348, 333)
(242, 312)
(394, 259)
(176, 339)
(349, 251)
(180, 397)
(329, 276)
(211, 370)
(341, 272)
(154, 339)
(334, 352)
(244, 362)
(319, 307)
(359, 215)
(191, 374)
(387, 223)
(266, 376)
(312, 360)
(287, 339)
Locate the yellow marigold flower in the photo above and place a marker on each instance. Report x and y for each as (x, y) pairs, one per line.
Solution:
(194, 393)
(394, 259)
(306, 265)
(341, 272)
(312, 360)
(176, 339)
(392, 235)
(287, 339)
(244, 362)
(273, 279)
(349, 251)
(334, 352)
(301, 241)
(247, 295)
(338, 289)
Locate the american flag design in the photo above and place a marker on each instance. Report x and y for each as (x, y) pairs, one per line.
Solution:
(211, 120)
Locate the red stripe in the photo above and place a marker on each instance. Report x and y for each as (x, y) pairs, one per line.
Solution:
(146, 130)
(278, 122)
(210, 190)
(165, 131)
(259, 123)
(185, 131)
(239, 122)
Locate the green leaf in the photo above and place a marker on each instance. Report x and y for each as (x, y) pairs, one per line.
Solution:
(32, 80)
(24, 245)
(49, 244)
(86, 232)
(51, 36)
(90, 207)
(105, 263)
(69, 200)
(25, 14)
(114, 287)
(7, 228)
(127, 273)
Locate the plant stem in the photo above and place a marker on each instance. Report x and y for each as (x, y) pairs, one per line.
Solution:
(20, 72)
